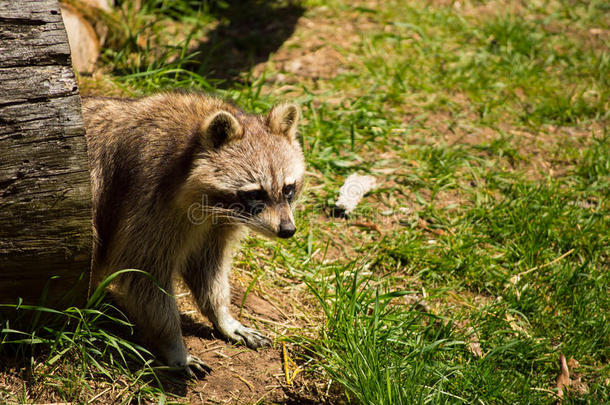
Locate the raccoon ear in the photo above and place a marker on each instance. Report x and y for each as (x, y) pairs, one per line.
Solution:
(220, 128)
(283, 119)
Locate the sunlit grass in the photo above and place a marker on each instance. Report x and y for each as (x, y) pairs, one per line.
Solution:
(78, 354)
(452, 109)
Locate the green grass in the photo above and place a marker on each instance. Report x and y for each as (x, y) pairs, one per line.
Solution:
(488, 133)
(77, 354)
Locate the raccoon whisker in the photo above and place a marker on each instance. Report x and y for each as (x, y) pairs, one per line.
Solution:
(260, 223)
(218, 210)
(222, 215)
(225, 213)
(213, 217)
(230, 214)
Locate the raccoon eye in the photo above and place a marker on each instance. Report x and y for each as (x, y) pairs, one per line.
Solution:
(289, 190)
(253, 195)
(253, 200)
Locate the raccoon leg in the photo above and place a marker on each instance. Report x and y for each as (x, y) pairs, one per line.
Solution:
(155, 314)
(207, 275)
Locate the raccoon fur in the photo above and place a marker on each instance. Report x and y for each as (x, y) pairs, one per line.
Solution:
(177, 178)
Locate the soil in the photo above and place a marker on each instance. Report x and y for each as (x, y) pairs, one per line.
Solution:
(239, 375)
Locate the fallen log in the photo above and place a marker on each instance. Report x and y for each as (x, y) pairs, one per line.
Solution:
(45, 196)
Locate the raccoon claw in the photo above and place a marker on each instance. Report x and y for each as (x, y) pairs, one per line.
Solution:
(251, 338)
(194, 363)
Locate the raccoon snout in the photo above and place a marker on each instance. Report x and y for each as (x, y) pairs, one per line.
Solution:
(287, 229)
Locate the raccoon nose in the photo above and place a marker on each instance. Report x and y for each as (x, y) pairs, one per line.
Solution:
(287, 229)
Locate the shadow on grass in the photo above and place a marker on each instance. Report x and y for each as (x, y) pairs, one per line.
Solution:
(46, 350)
(249, 31)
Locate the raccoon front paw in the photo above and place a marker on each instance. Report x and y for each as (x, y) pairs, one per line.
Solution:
(192, 366)
(177, 358)
(233, 330)
(194, 363)
(251, 338)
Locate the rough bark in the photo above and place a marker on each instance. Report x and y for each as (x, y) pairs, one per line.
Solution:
(45, 196)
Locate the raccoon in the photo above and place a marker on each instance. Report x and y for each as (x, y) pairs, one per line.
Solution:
(177, 179)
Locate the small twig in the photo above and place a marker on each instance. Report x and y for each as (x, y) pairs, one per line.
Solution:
(542, 266)
(289, 363)
(305, 315)
(258, 401)
(460, 300)
(99, 395)
(270, 300)
(285, 355)
(437, 231)
(545, 390)
(563, 381)
(311, 256)
(221, 354)
(328, 387)
(120, 394)
(244, 381)
(209, 349)
(265, 320)
(368, 225)
(58, 403)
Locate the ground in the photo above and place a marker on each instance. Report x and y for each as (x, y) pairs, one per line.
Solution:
(476, 271)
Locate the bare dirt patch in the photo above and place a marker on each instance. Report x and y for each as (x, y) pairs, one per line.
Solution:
(240, 375)
(315, 49)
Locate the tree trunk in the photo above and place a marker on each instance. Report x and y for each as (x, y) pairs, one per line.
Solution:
(45, 196)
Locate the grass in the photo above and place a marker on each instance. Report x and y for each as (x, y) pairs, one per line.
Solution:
(487, 129)
(78, 354)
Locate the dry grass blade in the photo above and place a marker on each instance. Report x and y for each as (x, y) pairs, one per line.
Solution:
(564, 377)
(473, 343)
(515, 279)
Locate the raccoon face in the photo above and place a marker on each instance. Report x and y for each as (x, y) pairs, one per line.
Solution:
(252, 169)
(268, 201)
(268, 215)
